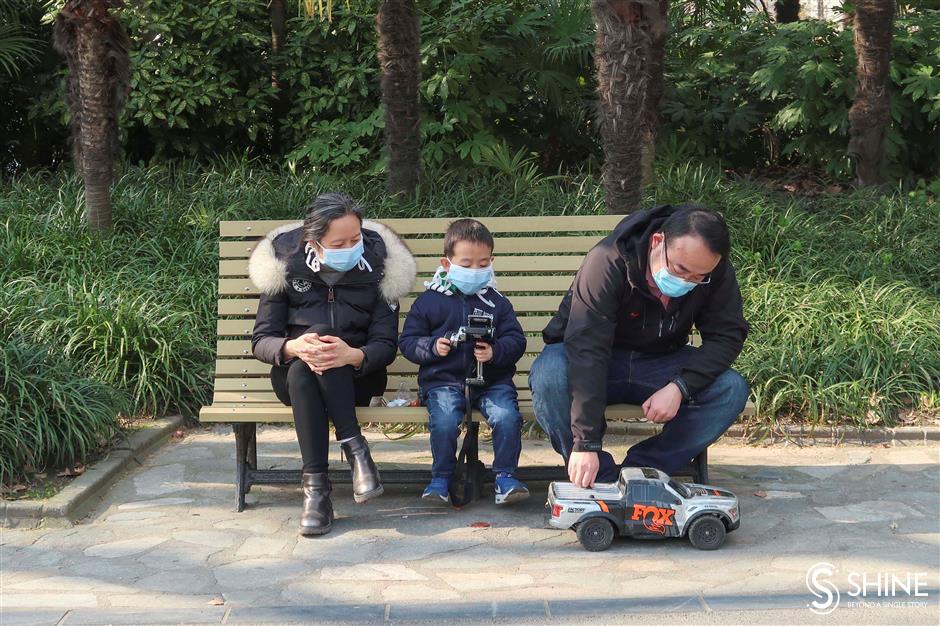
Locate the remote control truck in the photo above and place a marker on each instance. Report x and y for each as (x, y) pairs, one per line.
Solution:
(644, 503)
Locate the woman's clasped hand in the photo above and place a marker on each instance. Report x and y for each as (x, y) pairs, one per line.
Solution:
(323, 352)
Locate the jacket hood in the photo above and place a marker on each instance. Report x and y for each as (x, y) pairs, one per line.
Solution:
(632, 236)
(268, 263)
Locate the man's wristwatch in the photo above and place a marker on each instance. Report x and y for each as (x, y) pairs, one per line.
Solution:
(683, 388)
(587, 446)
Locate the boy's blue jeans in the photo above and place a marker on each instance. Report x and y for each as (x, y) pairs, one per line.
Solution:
(632, 377)
(446, 410)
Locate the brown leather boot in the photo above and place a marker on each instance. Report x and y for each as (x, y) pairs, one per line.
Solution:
(317, 518)
(365, 476)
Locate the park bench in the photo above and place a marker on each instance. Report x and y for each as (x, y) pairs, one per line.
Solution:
(536, 258)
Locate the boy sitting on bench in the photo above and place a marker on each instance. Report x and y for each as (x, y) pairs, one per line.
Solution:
(463, 286)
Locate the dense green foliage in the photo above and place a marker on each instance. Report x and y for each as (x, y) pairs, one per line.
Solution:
(748, 91)
(842, 291)
(739, 88)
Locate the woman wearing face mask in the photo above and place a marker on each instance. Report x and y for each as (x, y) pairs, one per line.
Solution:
(328, 324)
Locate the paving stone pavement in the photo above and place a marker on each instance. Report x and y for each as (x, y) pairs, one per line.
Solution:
(165, 545)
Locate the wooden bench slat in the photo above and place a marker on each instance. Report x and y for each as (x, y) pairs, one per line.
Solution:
(242, 347)
(241, 307)
(236, 328)
(260, 381)
(247, 367)
(237, 270)
(263, 383)
(384, 415)
(435, 246)
(269, 397)
(424, 225)
(505, 284)
(419, 415)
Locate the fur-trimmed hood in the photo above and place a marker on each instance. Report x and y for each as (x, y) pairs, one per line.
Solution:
(268, 263)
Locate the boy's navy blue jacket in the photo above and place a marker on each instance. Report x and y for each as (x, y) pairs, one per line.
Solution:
(434, 315)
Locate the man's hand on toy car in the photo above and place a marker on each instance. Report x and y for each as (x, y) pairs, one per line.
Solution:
(582, 468)
(663, 405)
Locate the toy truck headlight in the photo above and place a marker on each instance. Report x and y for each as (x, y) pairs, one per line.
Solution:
(557, 509)
(733, 512)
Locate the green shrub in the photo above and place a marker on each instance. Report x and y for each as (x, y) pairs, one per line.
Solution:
(48, 414)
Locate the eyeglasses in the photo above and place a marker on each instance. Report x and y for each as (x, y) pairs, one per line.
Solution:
(708, 277)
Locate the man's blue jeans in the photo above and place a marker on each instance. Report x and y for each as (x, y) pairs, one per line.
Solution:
(446, 409)
(632, 377)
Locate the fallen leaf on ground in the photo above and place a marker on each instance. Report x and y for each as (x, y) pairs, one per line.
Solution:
(760, 493)
(217, 601)
(480, 525)
(78, 470)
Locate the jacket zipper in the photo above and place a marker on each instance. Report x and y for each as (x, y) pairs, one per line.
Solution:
(331, 299)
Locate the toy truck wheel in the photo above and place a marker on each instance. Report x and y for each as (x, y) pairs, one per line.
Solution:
(596, 534)
(707, 533)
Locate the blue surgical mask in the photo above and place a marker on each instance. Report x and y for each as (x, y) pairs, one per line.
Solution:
(670, 285)
(342, 259)
(468, 280)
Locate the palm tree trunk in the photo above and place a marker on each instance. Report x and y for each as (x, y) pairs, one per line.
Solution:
(399, 38)
(280, 106)
(786, 11)
(95, 46)
(622, 58)
(870, 114)
(654, 90)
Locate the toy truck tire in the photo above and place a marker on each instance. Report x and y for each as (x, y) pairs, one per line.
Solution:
(596, 534)
(707, 532)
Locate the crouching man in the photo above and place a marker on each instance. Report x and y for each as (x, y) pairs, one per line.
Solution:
(621, 336)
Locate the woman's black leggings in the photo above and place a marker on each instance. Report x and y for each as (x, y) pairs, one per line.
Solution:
(316, 399)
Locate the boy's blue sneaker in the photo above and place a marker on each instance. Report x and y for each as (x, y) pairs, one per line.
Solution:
(510, 489)
(437, 490)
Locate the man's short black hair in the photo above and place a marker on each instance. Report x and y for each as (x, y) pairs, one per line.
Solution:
(698, 220)
(466, 229)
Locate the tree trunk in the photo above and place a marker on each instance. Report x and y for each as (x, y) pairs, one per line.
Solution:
(399, 37)
(622, 58)
(787, 11)
(654, 92)
(870, 114)
(281, 104)
(95, 46)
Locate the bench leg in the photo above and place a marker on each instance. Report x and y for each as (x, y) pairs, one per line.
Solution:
(700, 467)
(253, 449)
(244, 433)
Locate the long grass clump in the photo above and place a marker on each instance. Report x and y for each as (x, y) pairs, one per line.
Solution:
(48, 415)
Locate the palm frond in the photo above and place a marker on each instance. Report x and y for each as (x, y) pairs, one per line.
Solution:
(17, 49)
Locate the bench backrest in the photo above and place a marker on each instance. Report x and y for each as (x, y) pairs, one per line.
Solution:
(536, 258)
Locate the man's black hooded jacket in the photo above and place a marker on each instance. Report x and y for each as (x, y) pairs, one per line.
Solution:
(609, 305)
